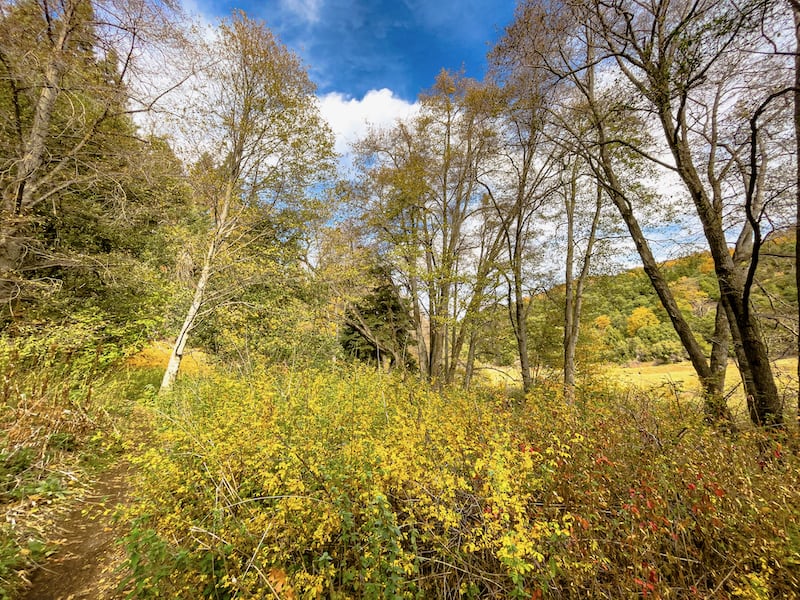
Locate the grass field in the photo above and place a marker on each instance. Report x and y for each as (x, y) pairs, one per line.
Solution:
(682, 374)
(682, 378)
(677, 377)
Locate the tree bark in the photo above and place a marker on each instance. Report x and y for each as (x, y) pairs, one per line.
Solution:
(763, 400)
(711, 380)
(222, 230)
(18, 197)
(570, 340)
(517, 306)
(176, 356)
(416, 313)
(573, 302)
(796, 13)
(658, 281)
(714, 404)
(668, 86)
(518, 312)
(469, 368)
(466, 328)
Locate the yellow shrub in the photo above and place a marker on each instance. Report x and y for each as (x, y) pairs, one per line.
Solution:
(355, 484)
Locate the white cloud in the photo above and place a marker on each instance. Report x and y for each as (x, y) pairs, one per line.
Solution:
(308, 10)
(350, 119)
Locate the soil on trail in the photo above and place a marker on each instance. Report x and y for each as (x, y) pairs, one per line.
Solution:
(88, 561)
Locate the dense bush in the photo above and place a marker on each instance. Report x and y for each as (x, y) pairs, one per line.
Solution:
(355, 484)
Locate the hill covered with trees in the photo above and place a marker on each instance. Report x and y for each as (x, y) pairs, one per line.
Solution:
(624, 321)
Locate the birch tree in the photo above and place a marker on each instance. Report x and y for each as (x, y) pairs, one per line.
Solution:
(266, 146)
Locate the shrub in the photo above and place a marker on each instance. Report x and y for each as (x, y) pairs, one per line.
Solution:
(57, 418)
(356, 484)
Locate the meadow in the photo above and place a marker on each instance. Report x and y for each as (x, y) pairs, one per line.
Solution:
(348, 482)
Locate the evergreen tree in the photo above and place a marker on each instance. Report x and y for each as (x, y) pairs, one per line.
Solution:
(377, 329)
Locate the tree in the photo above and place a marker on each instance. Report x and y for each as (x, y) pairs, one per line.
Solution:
(267, 147)
(69, 84)
(666, 75)
(574, 286)
(795, 5)
(584, 201)
(419, 180)
(528, 170)
(609, 161)
(377, 328)
(639, 318)
(690, 62)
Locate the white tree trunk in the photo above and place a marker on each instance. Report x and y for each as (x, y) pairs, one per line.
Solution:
(176, 355)
(222, 231)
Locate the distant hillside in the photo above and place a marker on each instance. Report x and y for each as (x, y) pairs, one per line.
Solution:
(623, 319)
(623, 313)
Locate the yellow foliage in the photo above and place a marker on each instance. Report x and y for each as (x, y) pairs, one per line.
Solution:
(707, 265)
(602, 322)
(156, 355)
(641, 317)
(356, 484)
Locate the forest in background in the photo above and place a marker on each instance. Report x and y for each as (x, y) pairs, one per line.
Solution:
(339, 440)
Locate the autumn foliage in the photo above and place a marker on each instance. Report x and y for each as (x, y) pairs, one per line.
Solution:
(356, 484)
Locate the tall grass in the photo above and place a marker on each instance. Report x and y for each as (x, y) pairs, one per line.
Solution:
(60, 415)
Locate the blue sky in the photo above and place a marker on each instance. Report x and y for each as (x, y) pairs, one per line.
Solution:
(353, 46)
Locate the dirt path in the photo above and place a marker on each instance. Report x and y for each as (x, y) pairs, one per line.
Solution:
(88, 561)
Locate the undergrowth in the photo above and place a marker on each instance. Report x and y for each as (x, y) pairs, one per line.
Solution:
(355, 484)
(59, 415)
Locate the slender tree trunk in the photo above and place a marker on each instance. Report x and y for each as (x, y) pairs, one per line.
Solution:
(440, 351)
(570, 343)
(518, 311)
(569, 313)
(11, 250)
(436, 336)
(657, 279)
(796, 11)
(34, 148)
(457, 345)
(469, 368)
(464, 332)
(447, 348)
(519, 318)
(178, 348)
(574, 288)
(422, 347)
(18, 197)
(222, 230)
(714, 404)
(466, 329)
(763, 400)
(710, 381)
